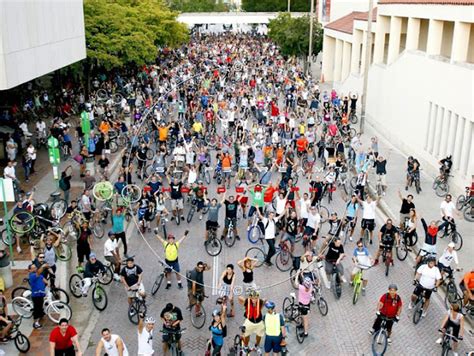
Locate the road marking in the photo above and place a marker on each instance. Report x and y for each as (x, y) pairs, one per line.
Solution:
(215, 274)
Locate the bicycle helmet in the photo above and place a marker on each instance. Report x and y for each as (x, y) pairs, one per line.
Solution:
(307, 282)
(216, 312)
(254, 293)
(150, 320)
(430, 259)
(111, 233)
(393, 286)
(270, 305)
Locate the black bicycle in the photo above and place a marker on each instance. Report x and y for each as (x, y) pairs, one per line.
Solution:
(380, 338)
(159, 279)
(419, 305)
(448, 339)
(336, 282)
(451, 232)
(173, 341)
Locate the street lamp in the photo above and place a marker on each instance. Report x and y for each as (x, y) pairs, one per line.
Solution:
(289, 5)
(368, 50)
(310, 49)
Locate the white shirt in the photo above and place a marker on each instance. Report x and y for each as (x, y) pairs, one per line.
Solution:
(313, 221)
(41, 126)
(86, 203)
(110, 347)
(447, 208)
(369, 210)
(447, 258)
(9, 172)
(109, 247)
(31, 152)
(280, 205)
(145, 342)
(270, 227)
(304, 208)
(429, 276)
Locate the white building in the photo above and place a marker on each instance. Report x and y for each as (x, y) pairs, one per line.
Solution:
(421, 79)
(38, 37)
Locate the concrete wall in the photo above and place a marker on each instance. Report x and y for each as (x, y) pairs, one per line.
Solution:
(37, 37)
(340, 8)
(423, 118)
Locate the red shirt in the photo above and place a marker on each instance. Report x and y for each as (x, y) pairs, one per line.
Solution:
(269, 193)
(62, 342)
(390, 305)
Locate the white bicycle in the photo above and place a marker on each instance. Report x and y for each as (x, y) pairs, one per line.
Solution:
(54, 309)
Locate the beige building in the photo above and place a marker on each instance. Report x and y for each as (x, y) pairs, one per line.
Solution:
(421, 79)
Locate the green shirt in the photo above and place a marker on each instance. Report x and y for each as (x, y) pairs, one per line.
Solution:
(257, 198)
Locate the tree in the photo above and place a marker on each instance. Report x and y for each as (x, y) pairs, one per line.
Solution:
(275, 5)
(292, 34)
(198, 5)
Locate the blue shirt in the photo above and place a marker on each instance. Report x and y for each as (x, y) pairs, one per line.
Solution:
(217, 335)
(119, 187)
(363, 252)
(352, 209)
(37, 285)
(117, 223)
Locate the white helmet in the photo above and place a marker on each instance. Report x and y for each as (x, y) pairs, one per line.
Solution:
(150, 320)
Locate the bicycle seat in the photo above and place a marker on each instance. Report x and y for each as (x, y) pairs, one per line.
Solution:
(55, 194)
(242, 328)
(293, 295)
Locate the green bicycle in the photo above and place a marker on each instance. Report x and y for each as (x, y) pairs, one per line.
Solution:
(103, 190)
(358, 282)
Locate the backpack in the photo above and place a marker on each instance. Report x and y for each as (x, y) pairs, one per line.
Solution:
(62, 184)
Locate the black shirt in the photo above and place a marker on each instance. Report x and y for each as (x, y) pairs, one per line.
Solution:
(177, 315)
(406, 206)
(388, 234)
(231, 209)
(198, 277)
(131, 274)
(380, 167)
(334, 252)
(176, 190)
(292, 226)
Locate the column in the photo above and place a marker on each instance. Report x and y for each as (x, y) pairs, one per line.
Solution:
(413, 33)
(355, 56)
(466, 146)
(458, 142)
(445, 133)
(434, 119)
(438, 130)
(394, 40)
(435, 36)
(328, 57)
(379, 45)
(346, 59)
(460, 41)
(338, 61)
(453, 126)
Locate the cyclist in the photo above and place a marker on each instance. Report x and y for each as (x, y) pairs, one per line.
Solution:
(305, 294)
(5, 322)
(350, 215)
(226, 286)
(291, 230)
(111, 253)
(368, 216)
(448, 209)
(362, 260)
(445, 167)
(380, 165)
(389, 306)
(275, 331)
(334, 256)
(111, 343)
(388, 236)
(334, 225)
(407, 205)
(93, 268)
(413, 171)
(176, 197)
(449, 255)
(196, 282)
(145, 335)
(253, 323)
(218, 330)
(429, 245)
(247, 265)
(212, 222)
(231, 206)
(427, 279)
(171, 248)
(200, 194)
(171, 316)
(467, 287)
(453, 319)
(132, 276)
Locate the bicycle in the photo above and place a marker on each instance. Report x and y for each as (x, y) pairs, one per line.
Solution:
(451, 232)
(99, 296)
(380, 338)
(283, 256)
(254, 232)
(103, 191)
(440, 185)
(22, 343)
(387, 256)
(213, 244)
(198, 313)
(137, 307)
(56, 293)
(418, 306)
(357, 283)
(292, 312)
(161, 276)
(414, 177)
(336, 282)
(465, 204)
(448, 338)
(193, 209)
(229, 238)
(54, 309)
(173, 341)
(238, 348)
(58, 206)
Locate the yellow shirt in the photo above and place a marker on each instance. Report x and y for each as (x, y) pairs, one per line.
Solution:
(171, 251)
(197, 126)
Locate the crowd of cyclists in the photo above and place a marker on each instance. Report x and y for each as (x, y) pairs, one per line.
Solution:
(229, 110)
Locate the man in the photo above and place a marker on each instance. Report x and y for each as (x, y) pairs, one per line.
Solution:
(132, 276)
(196, 281)
(38, 285)
(231, 206)
(448, 209)
(362, 260)
(86, 204)
(449, 255)
(334, 256)
(388, 235)
(407, 205)
(171, 257)
(176, 197)
(253, 318)
(380, 165)
(269, 230)
(111, 254)
(389, 306)
(112, 344)
(212, 222)
(467, 287)
(413, 170)
(368, 216)
(89, 180)
(427, 279)
(312, 226)
(62, 340)
(275, 331)
(171, 317)
(93, 268)
(145, 335)
(118, 228)
(5, 322)
(334, 225)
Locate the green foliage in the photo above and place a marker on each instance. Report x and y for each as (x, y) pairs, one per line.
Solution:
(275, 5)
(292, 34)
(198, 5)
(125, 32)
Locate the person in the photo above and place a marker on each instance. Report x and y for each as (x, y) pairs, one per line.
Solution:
(429, 244)
(118, 227)
(275, 331)
(231, 205)
(253, 323)
(112, 344)
(226, 286)
(445, 166)
(62, 340)
(218, 330)
(247, 265)
(467, 287)
(449, 255)
(308, 268)
(145, 335)
(427, 279)
(111, 253)
(368, 216)
(93, 268)
(38, 285)
(132, 276)
(305, 293)
(84, 242)
(334, 256)
(5, 323)
(350, 215)
(269, 229)
(171, 247)
(413, 170)
(362, 260)
(448, 209)
(196, 281)
(212, 222)
(388, 236)
(453, 319)
(176, 197)
(65, 182)
(171, 316)
(389, 306)
(407, 205)
(311, 229)
(409, 227)
(380, 165)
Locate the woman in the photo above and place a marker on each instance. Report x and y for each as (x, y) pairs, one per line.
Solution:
(31, 153)
(161, 210)
(84, 242)
(218, 331)
(226, 287)
(410, 227)
(305, 292)
(455, 320)
(247, 266)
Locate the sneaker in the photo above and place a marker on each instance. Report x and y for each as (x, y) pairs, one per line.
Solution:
(37, 325)
(439, 340)
(350, 238)
(258, 350)
(237, 237)
(182, 217)
(18, 249)
(180, 286)
(383, 193)
(455, 354)
(410, 305)
(269, 264)
(343, 279)
(200, 217)
(116, 277)
(389, 341)
(363, 291)
(406, 187)
(168, 286)
(371, 242)
(84, 295)
(371, 332)
(423, 314)
(132, 312)
(222, 237)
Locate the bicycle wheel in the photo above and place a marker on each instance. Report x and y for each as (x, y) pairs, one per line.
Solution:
(287, 307)
(452, 293)
(22, 343)
(102, 95)
(134, 311)
(60, 294)
(157, 283)
(8, 240)
(256, 253)
(113, 146)
(353, 119)
(213, 247)
(103, 191)
(198, 318)
(131, 193)
(22, 222)
(99, 297)
(237, 345)
(283, 260)
(75, 285)
(468, 213)
(442, 189)
(355, 296)
(23, 307)
(70, 230)
(347, 232)
(207, 177)
(107, 277)
(402, 251)
(417, 311)
(20, 292)
(379, 342)
(323, 306)
(58, 310)
(366, 238)
(460, 201)
(190, 214)
(254, 234)
(324, 212)
(457, 239)
(353, 183)
(58, 209)
(299, 329)
(63, 252)
(98, 230)
(229, 238)
(388, 261)
(336, 285)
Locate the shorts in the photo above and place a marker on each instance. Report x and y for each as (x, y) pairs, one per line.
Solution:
(166, 336)
(253, 209)
(132, 292)
(228, 220)
(419, 289)
(368, 224)
(381, 179)
(309, 231)
(328, 267)
(111, 259)
(431, 249)
(403, 217)
(304, 308)
(211, 225)
(174, 265)
(177, 204)
(272, 343)
(357, 270)
(199, 204)
(456, 327)
(192, 299)
(254, 328)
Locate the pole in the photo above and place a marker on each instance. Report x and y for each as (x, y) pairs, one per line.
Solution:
(7, 222)
(289, 5)
(310, 49)
(368, 51)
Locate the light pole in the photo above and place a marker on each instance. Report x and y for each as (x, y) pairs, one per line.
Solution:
(368, 51)
(310, 49)
(289, 5)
